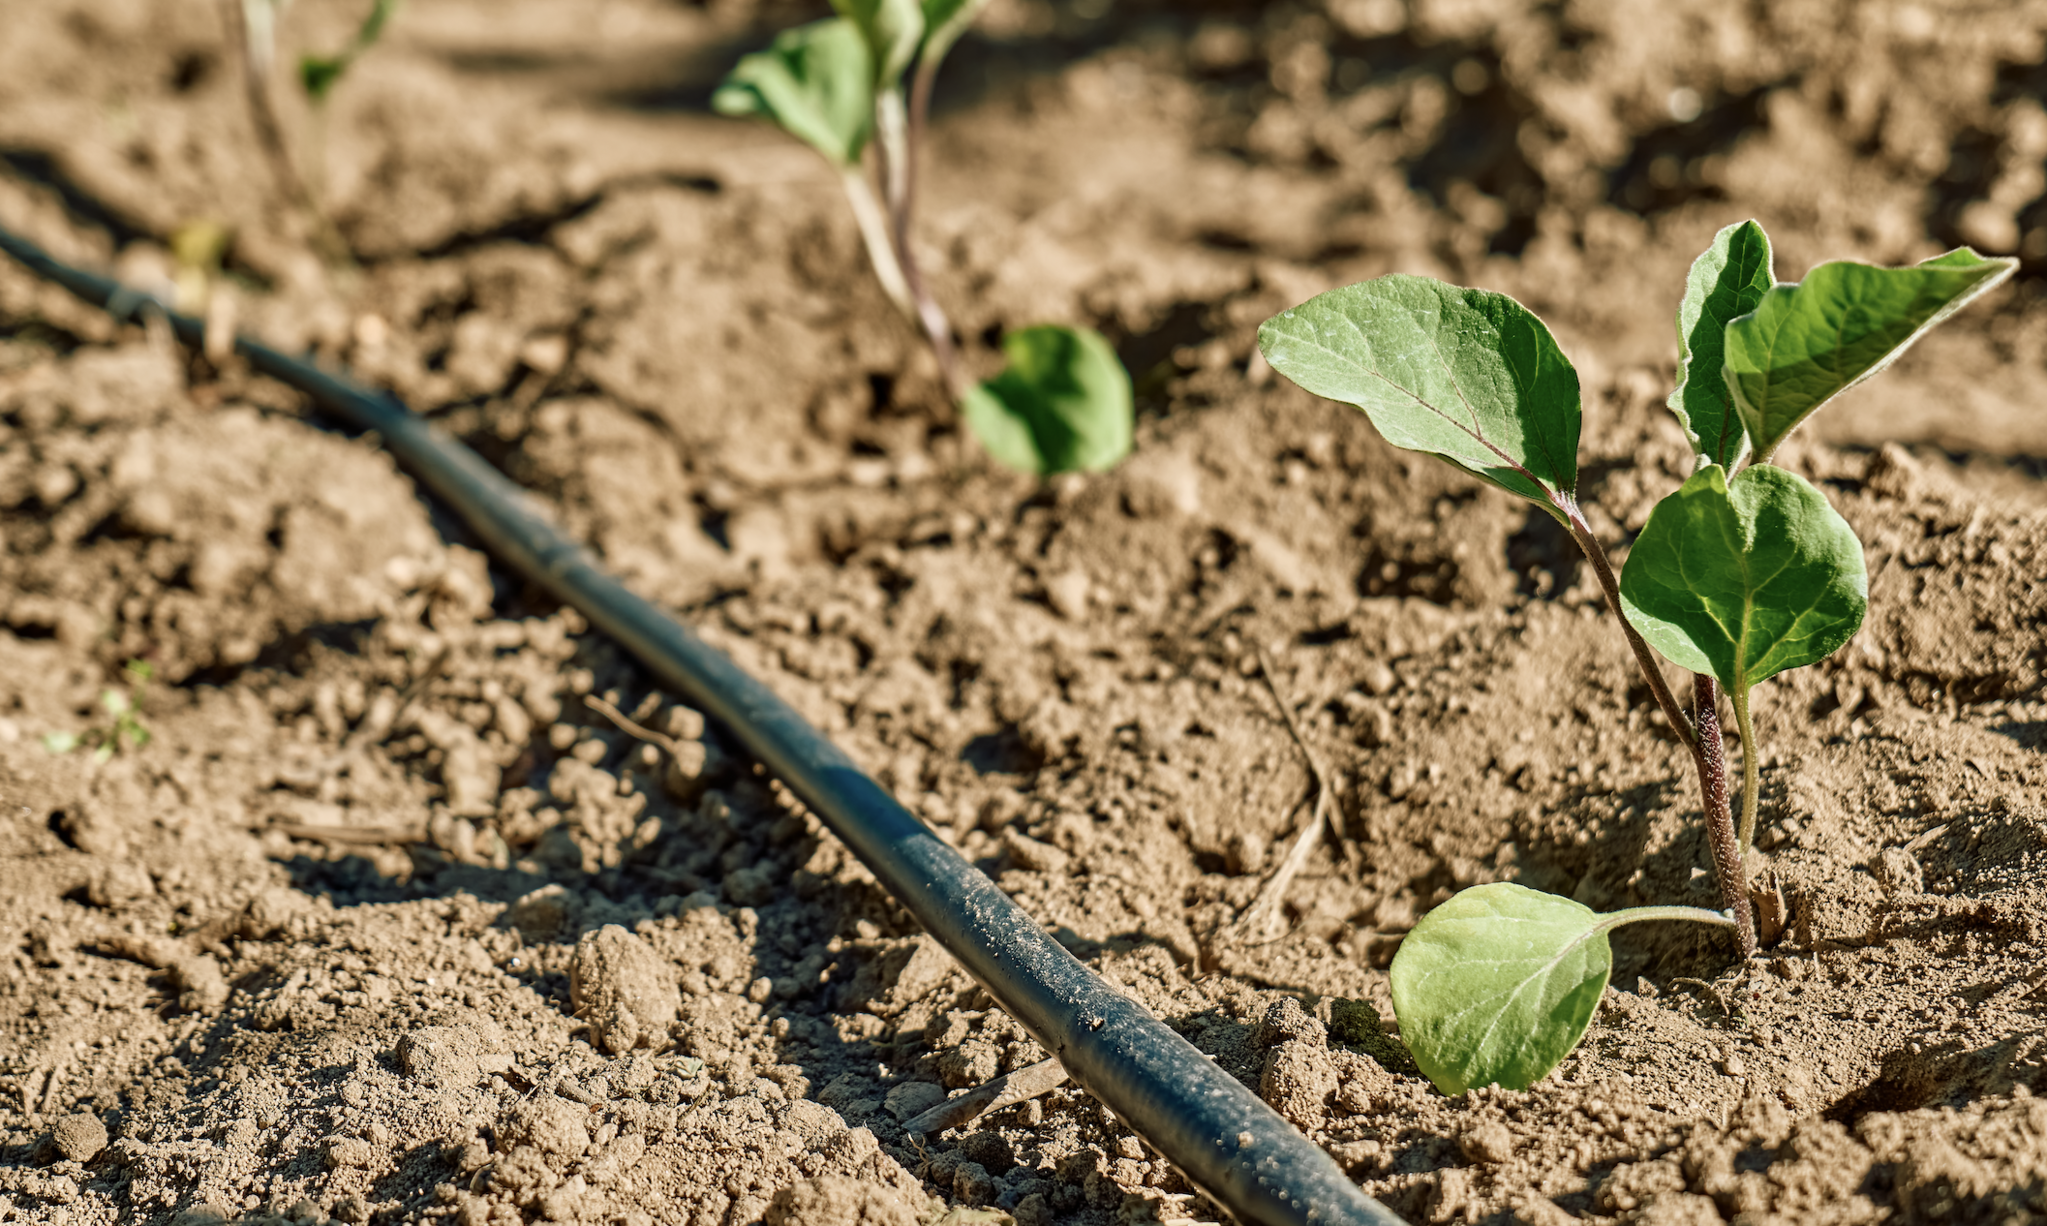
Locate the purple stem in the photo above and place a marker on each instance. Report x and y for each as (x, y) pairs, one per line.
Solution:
(1711, 755)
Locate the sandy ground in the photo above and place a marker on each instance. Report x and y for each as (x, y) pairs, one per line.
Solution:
(389, 921)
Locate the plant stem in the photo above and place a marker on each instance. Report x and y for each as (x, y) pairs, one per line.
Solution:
(1751, 769)
(891, 139)
(1709, 753)
(1635, 915)
(920, 108)
(1596, 554)
(1728, 866)
(256, 61)
(874, 232)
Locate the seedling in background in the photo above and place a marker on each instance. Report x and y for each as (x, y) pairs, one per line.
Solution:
(1743, 572)
(1064, 402)
(125, 732)
(318, 74)
(253, 26)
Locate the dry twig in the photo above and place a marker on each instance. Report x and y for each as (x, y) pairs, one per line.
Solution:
(628, 726)
(1258, 916)
(1005, 1091)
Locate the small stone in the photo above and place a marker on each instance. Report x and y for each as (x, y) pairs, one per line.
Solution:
(79, 1138)
(343, 1153)
(622, 989)
(540, 914)
(1489, 1142)
(118, 883)
(972, 1063)
(913, 1098)
(1031, 854)
(201, 986)
(750, 885)
(837, 1200)
(550, 1124)
(565, 1203)
(1297, 1081)
(1378, 679)
(1067, 593)
(1285, 1020)
(1035, 1210)
(972, 1183)
(1899, 873)
(452, 1056)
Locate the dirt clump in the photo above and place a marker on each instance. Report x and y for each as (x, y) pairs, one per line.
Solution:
(622, 990)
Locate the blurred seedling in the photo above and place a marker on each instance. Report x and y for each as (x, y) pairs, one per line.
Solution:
(253, 26)
(124, 730)
(1064, 402)
(1743, 572)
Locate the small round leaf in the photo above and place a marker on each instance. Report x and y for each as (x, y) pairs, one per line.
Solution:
(1498, 984)
(1743, 579)
(1063, 404)
(816, 81)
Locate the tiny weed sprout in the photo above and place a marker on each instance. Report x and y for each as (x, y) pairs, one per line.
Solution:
(126, 731)
(1064, 402)
(1743, 572)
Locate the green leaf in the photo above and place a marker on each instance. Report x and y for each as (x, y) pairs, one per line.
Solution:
(944, 22)
(1468, 376)
(1062, 405)
(1745, 578)
(1806, 343)
(893, 29)
(372, 27)
(318, 74)
(1498, 984)
(1729, 279)
(815, 81)
(60, 742)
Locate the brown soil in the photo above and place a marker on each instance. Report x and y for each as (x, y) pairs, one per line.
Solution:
(387, 922)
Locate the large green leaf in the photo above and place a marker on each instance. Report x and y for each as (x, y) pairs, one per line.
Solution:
(944, 22)
(1745, 578)
(1729, 279)
(893, 29)
(1498, 984)
(1468, 376)
(1062, 405)
(816, 81)
(1806, 343)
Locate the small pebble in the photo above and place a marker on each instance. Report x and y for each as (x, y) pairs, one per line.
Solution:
(79, 1138)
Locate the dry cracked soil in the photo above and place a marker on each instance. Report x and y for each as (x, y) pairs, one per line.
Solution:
(390, 920)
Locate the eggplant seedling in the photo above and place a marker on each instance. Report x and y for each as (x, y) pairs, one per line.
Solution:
(1743, 572)
(1064, 402)
(253, 26)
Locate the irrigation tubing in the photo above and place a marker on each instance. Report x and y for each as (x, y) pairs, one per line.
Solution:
(1189, 1109)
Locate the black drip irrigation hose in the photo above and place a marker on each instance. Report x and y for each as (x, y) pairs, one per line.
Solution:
(1202, 1119)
